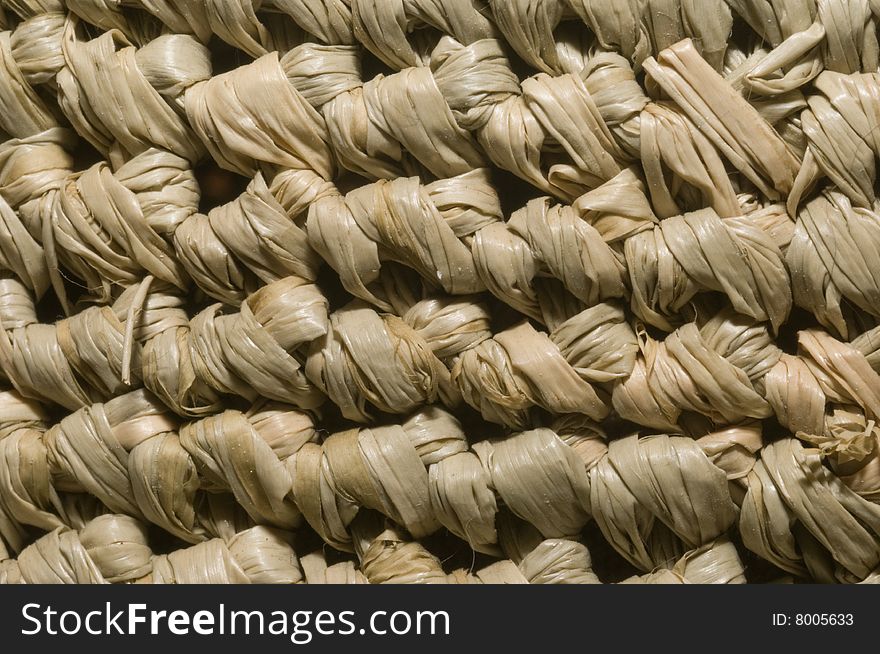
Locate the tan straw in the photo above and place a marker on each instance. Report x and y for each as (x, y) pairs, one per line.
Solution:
(439, 291)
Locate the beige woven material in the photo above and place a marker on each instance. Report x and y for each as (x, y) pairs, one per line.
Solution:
(439, 291)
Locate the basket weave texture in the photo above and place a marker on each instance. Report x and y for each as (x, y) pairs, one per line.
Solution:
(449, 291)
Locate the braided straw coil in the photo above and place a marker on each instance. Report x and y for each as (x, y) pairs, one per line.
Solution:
(439, 291)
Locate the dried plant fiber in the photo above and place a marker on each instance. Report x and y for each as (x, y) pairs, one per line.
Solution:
(439, 291)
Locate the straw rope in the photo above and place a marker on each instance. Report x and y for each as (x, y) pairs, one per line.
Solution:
(439, 291)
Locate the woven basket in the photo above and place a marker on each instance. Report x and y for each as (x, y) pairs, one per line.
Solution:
(449, 291)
